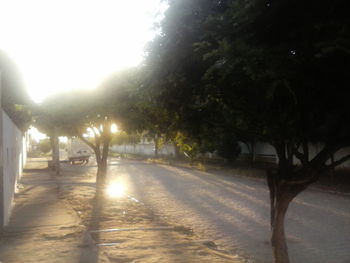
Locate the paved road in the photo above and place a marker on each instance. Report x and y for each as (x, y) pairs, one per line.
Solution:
(234, 211)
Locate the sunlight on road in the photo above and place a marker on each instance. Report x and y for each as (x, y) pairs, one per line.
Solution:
(116, 189)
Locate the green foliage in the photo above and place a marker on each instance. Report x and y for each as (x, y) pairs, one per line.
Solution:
(120, 138)
(228, 148)
(274, 71)
(14, 98)
(187, 145)
(231, 65)
(44, 146)
(62, 145)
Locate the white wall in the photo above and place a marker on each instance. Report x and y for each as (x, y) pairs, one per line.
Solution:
(143, 149)
(13, 161)
(260, 148)
(341, 153)
(24, 149)
(316, 148)
(74, 145)
(267, 149)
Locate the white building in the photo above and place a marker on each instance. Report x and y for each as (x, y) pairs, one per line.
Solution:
(12, 159)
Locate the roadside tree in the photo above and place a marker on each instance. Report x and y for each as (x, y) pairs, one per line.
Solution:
(276, 72)
(83, 116)
(14, 98)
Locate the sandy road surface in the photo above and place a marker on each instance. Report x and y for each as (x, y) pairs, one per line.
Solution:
(234, 211)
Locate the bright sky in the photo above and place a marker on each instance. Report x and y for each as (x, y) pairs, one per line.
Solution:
(66, 44)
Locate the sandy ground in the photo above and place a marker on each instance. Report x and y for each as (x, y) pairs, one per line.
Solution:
(233, 211)
(137, 235)
(57, 219)
(42, 228)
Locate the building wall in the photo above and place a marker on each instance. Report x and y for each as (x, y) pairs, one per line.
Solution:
(24, 149)
(12, 164)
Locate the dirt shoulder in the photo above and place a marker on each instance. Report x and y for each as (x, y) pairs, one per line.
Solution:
(56, 219)
(42, 228)
(124, 230)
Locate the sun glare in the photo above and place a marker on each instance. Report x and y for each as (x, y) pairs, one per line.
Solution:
(114, 128)
(35, 134)
(63, 44)
(116, 189)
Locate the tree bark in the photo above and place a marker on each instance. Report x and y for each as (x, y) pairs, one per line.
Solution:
(156, 144)
(253, 151)
(278, 239)
(101, 157)
(176, 150)
(101, 149)
(55, 151)
(282, 192)
(101, 173)
(271, 181)
(102, 165)
(288, 181)
(332, 171)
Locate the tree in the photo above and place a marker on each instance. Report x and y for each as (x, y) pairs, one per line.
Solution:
(14, 98)
(75, 115)
(135, 110)
(276, 71)
(122, 137)
(90, 115)
(157, 125)
(44, 146)
(46, 121)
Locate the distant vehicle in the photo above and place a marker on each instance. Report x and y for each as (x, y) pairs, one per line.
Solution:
(80, 157)
(78, 152)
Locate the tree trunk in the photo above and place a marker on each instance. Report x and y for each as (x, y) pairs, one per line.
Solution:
(286, 183)
(278, 239)
(55, 152)
(176, 151)
(281, 194)
(101, 158)
(101, 173)
(156, 144)
(102, 166)
(332, 172)
(101, 170)
(253, 151)
(272, 187)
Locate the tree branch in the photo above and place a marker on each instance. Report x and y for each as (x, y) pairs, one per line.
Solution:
(302, 157)
(305, 146)
(281, 152)
(87, 142)
(290, 153)
(340, 161)
(304, 181)
(94, 130)
(323, 155)
(97, 136)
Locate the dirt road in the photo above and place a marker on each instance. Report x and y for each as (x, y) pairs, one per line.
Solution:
(234, 211)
